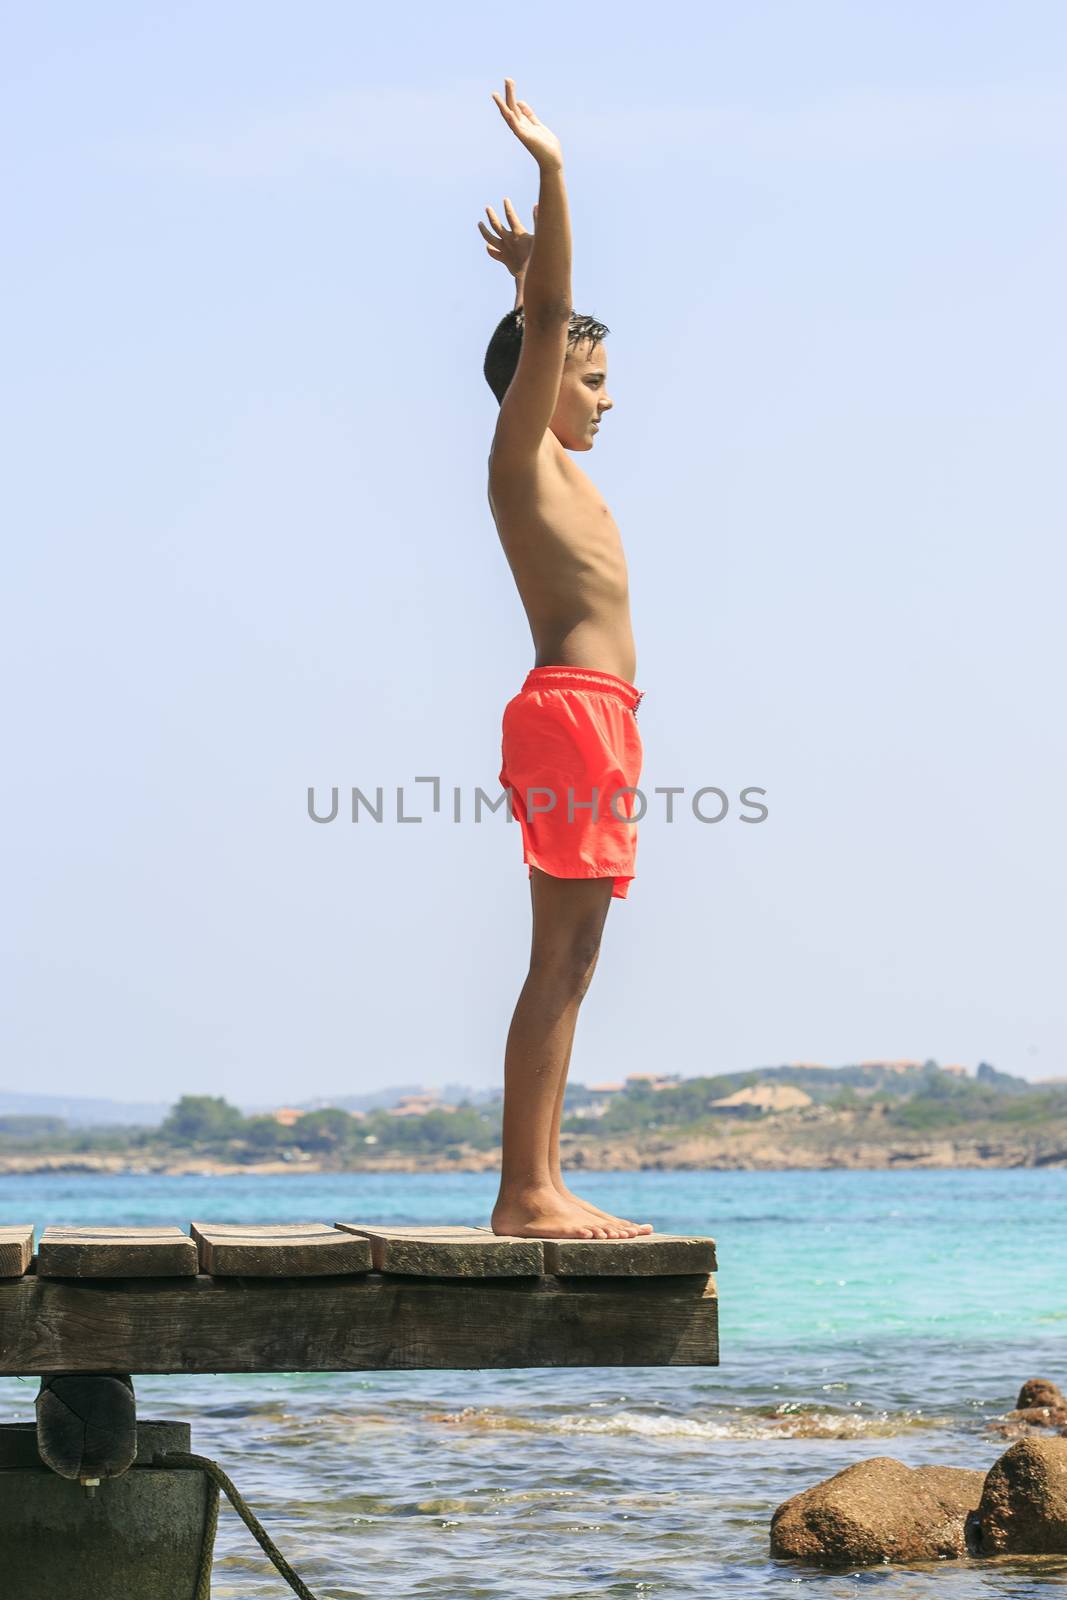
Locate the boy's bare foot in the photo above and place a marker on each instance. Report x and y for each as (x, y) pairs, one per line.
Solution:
(632, 1228)
(545, 1214)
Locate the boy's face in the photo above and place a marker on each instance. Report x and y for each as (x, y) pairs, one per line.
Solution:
(583, 397)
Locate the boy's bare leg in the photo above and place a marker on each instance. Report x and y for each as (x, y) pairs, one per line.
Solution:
(557, 1119)
(554, 1161)
(568, 922)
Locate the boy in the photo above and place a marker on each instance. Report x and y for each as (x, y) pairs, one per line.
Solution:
(571, 753)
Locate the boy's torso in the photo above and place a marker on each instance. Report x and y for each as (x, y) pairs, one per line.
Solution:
(566, 556)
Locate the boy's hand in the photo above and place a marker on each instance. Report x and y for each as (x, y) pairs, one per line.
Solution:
(511, 245)
(520, 118)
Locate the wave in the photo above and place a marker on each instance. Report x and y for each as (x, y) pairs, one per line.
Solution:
(787, 1422)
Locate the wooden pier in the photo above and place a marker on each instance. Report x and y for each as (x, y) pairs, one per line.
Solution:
(348, 1297)
(91, 1306)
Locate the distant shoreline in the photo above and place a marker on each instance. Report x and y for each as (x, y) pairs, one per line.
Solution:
(870, 1116)
(763, 1149)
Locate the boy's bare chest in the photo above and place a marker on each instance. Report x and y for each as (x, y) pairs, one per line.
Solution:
(556, 499)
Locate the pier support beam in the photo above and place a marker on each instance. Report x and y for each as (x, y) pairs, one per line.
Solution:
(87, 1426)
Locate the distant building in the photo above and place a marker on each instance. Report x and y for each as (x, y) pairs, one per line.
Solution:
(417, 1105)
(958, 1071)
(761, 1098)
(287, 1116)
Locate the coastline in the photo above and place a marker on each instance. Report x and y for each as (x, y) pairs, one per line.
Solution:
(762, 1149)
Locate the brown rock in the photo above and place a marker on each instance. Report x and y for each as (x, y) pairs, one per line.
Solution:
(1039, 1392)
(1017, 1424)
(1040, 1405)
(1023, 1509)
(878, 1510)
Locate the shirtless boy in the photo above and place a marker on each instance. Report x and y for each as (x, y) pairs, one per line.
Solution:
(570, 750)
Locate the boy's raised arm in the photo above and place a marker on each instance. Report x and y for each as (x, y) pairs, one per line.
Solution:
(547, 286)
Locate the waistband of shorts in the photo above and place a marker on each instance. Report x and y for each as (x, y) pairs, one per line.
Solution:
(584, 678)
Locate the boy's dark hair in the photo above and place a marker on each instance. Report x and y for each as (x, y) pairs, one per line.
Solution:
(502, 356)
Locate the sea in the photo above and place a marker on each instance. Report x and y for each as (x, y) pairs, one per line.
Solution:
(862, 1314)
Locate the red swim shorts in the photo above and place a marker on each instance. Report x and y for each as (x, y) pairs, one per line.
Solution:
(571, 756)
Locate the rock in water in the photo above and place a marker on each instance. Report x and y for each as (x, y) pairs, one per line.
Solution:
(1040, 1392)
(1040, 1405)
(878, 1510)
(1023, 1509)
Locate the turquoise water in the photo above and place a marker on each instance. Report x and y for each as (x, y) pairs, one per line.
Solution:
(862, 1313)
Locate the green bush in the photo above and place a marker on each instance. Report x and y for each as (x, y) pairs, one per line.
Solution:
(201, 1119)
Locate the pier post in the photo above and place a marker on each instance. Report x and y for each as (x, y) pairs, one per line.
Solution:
(145, 1534)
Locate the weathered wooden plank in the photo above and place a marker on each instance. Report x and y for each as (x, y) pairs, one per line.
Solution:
(116, 1253)
(450, 1252)
(16, 1249)
(278, 1250)
(647, 1255)
(352, 1324)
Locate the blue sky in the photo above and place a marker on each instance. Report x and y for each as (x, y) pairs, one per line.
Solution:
(249, 550)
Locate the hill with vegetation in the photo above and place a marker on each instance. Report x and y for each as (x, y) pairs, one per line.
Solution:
(868, 1115)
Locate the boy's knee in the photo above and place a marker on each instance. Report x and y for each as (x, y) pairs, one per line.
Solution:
(569, 963)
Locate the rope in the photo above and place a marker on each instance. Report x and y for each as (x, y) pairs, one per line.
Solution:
(219, 1480)
(207, 1546)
